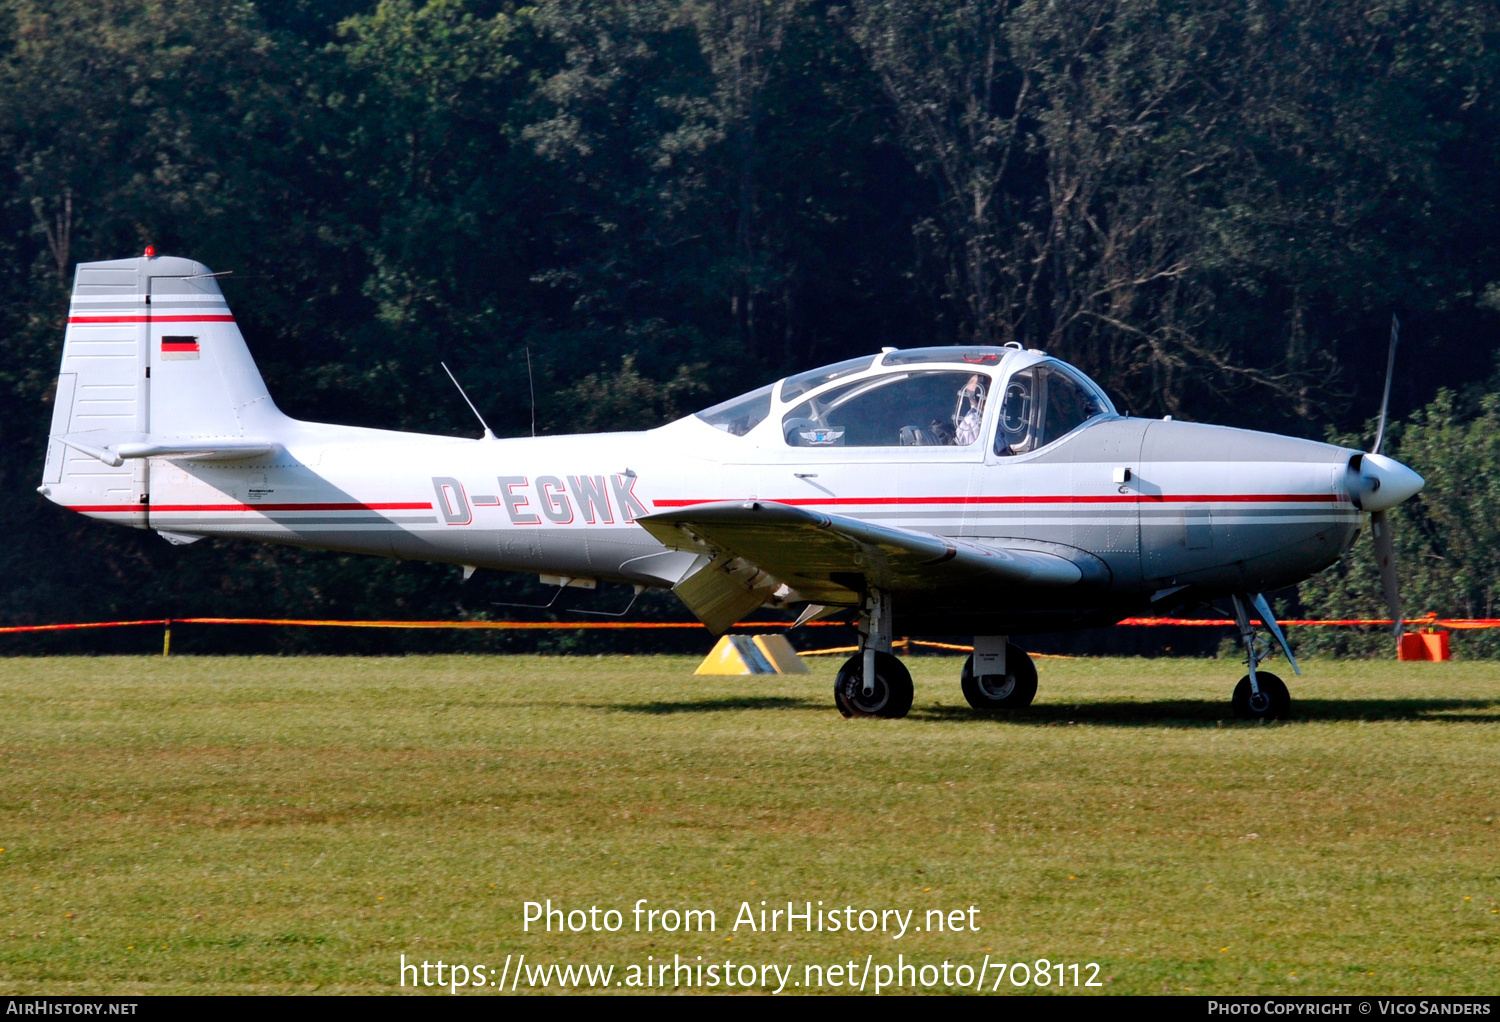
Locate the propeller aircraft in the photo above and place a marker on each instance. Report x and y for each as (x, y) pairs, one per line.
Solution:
(985, 491)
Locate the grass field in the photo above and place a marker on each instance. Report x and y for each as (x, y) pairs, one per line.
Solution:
(282, 825)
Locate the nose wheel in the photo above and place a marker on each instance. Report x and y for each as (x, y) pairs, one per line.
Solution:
(889, 697)
(1013, 690)
(1260, 695)
(1272, 702)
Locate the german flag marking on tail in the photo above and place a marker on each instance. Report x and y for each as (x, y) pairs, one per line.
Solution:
(179, 347)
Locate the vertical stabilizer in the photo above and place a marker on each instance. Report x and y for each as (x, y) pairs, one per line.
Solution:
(152, 361)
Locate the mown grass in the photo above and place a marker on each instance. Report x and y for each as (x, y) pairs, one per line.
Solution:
(283, 825)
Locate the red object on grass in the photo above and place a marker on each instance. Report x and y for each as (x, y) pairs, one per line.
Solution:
(1423, 646)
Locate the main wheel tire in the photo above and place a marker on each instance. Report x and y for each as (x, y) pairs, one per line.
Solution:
(893, 688)
(1275, 702)
(1013, 690)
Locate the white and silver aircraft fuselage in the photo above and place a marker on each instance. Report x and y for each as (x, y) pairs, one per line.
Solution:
(985, 491)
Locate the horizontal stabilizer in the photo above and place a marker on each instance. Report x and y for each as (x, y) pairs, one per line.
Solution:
(116, 449)
(828, 558)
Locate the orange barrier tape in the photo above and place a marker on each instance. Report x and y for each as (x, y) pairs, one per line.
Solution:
(1197, 622)
(907, 643)
(1208, 622)
(483, 625)
(970, 649)
(88, 624)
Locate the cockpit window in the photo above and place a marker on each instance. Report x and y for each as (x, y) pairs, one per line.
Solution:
(796, 386)
(1041, 404)
(739, 415)
(1014, 433)
(973, 356)
(931, 408)
(1068, 406)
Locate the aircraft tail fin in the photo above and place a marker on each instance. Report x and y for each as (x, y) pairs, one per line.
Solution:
(152, 365)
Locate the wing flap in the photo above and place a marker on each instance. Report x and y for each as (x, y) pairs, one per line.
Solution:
(723, 591)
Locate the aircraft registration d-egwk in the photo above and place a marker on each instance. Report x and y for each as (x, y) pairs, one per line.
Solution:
(985, 491)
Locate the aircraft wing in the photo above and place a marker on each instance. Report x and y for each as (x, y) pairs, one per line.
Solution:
(829, 559)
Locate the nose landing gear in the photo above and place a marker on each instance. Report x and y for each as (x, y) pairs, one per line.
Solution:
(1271, 702)
(1260, 695)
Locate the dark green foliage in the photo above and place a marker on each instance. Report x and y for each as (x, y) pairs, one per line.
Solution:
(1447, 537)
(1212, 207)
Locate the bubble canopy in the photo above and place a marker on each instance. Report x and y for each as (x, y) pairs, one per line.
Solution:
(934, 396)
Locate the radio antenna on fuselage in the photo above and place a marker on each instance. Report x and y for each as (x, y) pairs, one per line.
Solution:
(531, 384)
(487, 434)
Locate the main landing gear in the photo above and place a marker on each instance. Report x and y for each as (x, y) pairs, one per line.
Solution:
(1260, 695)
(999, 676)
(873, 682)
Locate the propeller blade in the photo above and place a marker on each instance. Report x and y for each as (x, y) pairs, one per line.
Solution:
(1385, 557)
(1390, 368)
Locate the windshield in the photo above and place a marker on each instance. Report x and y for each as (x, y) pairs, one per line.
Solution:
(739, 415)
(802, 383)
(924, 408)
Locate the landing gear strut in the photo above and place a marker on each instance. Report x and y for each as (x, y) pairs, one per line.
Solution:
(1260, 695)
(1005, 678)
(873, 682)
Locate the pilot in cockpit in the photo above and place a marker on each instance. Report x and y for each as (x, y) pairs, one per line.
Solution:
(962, 428)
(969, 413)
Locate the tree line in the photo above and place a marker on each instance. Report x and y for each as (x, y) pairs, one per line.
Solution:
(633, 208)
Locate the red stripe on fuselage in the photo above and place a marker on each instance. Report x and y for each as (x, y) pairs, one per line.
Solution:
(404, 506)
(150, 319)
(1257, 498)
(413, 506)
(1133, 498)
